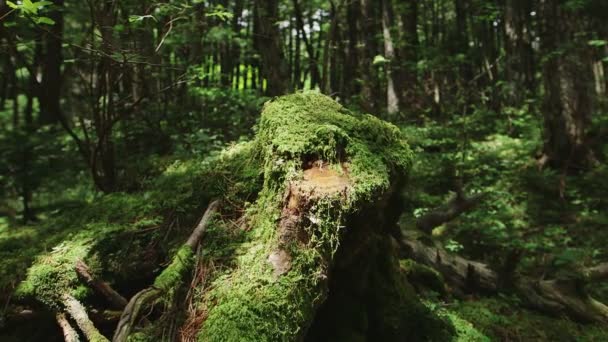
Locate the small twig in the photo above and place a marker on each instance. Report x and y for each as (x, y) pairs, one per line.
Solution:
(170, 23)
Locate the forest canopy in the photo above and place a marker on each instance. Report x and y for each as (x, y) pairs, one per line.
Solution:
(303, 170)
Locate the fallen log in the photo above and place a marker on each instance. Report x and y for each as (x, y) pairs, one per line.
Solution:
(558, 297)
(75, 309)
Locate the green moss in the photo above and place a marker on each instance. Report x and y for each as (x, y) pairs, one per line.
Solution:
(309, 124)
(503, 320)
(174, 273)
(53, 275)
(465, 331)
(250, 303)
(424, 276)
(96, 232)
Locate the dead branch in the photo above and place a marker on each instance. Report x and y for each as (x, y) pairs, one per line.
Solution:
(100, 286)
(457, 205)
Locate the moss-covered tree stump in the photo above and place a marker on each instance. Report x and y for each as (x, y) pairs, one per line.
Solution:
(315, 195)
(319, 262)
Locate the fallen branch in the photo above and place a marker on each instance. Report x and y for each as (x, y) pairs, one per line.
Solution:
(555, 296)
(118, 301)
(168, 279)
(459, 204)
(69, 333)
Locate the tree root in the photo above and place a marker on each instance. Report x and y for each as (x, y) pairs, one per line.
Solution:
(165, 281)
(69, 333)
(80, 316)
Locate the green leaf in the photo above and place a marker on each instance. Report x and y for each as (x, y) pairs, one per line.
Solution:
(29, 7)
(597, 42)
(45, 20)
(138, 18)
(12, 5)
(379, 59)
(42, 3)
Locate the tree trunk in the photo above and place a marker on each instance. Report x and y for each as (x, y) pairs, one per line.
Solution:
(567, 80)
(269, 45)
(392, 100)
(50, 88)
(408, 53)
(370, 89)
(519, 66)
(351, 63)
(313, 66)
(314, 253)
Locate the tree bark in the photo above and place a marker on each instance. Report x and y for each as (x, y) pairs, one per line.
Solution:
(118, 301)
(69, 333)
(80, 316)
(519, 66)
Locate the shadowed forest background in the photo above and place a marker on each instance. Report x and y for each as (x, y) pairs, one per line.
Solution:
(122, 121)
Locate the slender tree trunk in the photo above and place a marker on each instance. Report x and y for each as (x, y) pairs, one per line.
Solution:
(519, 66)
(370, 93)
(392, 100)
(351, 64)
(308, 44)
(297, 71)
(408, 52)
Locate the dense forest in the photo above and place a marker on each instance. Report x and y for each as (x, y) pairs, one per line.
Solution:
(304, 170)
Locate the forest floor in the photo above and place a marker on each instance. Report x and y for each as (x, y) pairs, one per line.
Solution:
(536, 211)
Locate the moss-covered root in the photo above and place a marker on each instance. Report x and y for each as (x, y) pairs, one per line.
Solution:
(169, 279)
(80, 316)
(69, 333)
